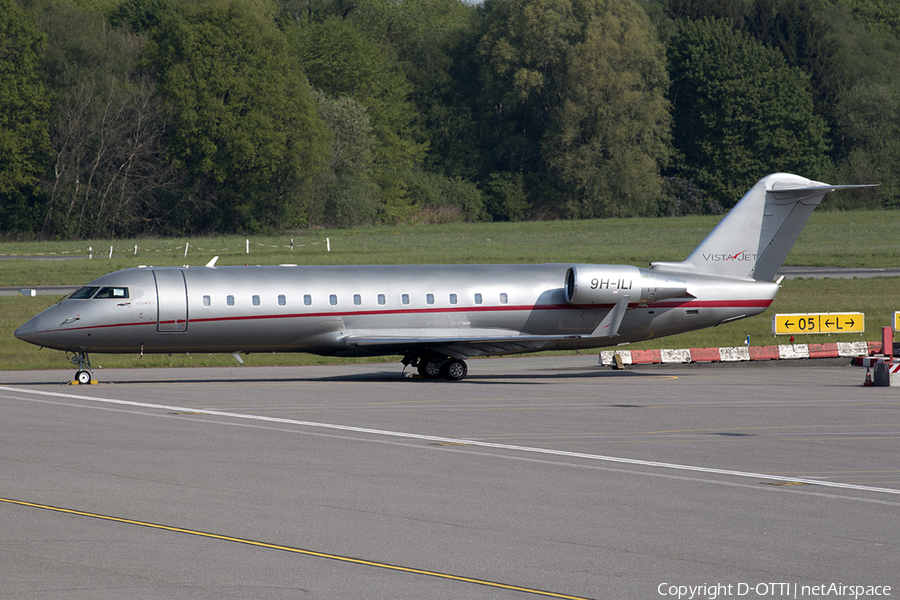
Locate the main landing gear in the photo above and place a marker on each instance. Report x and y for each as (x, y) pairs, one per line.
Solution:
(432, 367)
(84, 374)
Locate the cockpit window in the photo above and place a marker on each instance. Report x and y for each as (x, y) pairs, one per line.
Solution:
(112, 292)
(84, 293)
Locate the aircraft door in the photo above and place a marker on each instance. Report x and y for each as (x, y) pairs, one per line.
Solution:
(171, 301)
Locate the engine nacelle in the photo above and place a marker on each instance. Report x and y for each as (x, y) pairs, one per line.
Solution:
(607, 284)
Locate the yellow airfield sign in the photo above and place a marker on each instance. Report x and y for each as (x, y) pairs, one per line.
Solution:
(897, 321)
(797, 323)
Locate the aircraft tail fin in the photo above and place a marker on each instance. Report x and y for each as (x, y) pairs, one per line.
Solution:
(755, 237)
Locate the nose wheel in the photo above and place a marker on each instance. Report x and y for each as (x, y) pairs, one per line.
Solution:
(84, 375)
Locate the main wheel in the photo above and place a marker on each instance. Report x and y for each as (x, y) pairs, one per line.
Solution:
(455, 370)
(83, 377)
(430, 369)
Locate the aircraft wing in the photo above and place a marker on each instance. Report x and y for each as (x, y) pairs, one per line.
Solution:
(462, 344)
(456, 346)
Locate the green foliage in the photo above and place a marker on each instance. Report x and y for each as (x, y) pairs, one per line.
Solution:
(695, 10)
(143, 15)
(870, 117)
(878, 15)
(245, 126)
(577, 90)
(404, 29)
(340, 61)
(440, 199)
(435, 54)
(507, 197)
(867, 120)
(107, 127)
(523, 48)
(344, 194)
(99, 7)
(681, 198)
(121, 117)
(740, 111)
(24, 131)
(611, 135)
(453, 113)
(797, 29)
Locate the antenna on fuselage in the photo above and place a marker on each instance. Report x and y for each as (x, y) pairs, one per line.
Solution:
(212, 264)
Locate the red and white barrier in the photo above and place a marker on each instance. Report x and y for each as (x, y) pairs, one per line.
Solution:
(860, 350)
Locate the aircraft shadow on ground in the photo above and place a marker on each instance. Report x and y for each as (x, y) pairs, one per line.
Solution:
(535, 378)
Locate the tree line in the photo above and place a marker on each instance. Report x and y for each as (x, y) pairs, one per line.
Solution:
(160, 117)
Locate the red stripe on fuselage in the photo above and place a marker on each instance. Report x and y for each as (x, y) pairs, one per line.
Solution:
(419, 311)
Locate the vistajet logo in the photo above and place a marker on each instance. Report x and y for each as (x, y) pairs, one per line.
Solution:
(742, 256)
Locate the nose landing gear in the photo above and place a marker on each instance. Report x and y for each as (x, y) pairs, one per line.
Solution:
(84, 375)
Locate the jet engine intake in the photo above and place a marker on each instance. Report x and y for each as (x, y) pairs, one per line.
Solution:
(607, 284)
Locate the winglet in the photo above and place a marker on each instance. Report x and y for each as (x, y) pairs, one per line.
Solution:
(212, 264)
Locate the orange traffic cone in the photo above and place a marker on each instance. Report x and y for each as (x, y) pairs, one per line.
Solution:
(868, 381)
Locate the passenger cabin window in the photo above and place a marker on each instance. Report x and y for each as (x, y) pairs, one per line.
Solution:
(229, 300)
(452, 298)
(504, 299)
(255, 300)
(282, 300)
(382, 300)
(307, 300)
(429, 298)
(477, 298)
(84, 293)
(404, 299)
(207, 301)
(357, 299)
(332, 299)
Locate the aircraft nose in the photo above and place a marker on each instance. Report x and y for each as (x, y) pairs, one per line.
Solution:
(30, 330)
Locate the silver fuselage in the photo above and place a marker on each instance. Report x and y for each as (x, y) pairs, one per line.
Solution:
(372, 310)
(436, 316)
